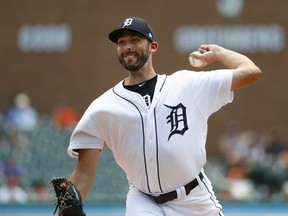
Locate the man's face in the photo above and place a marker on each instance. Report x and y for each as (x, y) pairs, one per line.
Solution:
(133, 51)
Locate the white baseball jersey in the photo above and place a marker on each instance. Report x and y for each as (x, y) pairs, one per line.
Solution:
(162, 147)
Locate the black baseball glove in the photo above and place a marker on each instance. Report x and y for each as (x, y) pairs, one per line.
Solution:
(69, 199)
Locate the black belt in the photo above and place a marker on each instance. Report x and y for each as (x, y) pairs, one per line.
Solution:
(173, 194)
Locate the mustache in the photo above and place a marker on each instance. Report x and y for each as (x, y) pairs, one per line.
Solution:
(129, 53)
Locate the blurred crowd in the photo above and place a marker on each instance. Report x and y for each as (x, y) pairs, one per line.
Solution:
(19, 120)
(252, 166)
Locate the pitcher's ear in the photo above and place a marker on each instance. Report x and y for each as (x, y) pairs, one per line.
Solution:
(154, 46)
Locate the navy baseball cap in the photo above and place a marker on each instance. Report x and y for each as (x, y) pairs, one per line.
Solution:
(134, 24)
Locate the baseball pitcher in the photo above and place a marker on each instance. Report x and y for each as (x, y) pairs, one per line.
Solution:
(156, 126)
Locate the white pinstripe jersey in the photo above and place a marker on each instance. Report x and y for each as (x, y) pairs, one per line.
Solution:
(161, 148)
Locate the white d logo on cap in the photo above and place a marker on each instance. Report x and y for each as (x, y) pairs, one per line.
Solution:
(127, 22)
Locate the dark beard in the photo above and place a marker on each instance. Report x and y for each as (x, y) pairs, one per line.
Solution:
(134, 66)
(141, 60)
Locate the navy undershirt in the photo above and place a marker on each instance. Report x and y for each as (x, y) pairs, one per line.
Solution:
(145, 88)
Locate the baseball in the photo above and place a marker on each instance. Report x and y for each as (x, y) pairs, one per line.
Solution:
(196, 62)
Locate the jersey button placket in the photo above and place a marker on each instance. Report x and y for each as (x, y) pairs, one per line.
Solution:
(151, 154)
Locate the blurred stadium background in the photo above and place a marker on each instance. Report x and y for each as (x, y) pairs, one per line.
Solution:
(57, 52)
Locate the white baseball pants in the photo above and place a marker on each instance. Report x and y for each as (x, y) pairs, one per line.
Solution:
(201, 201)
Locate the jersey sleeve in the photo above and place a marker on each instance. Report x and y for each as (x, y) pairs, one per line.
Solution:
(86, 135)
(212, 90)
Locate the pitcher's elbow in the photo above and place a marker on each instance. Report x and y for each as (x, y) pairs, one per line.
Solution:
(256, 74)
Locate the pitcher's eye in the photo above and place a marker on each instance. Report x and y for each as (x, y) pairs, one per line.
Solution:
(135, 40)
(120, 42)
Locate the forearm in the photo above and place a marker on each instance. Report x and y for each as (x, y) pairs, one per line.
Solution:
(231, 59)
(83, 181)
(85, 171)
